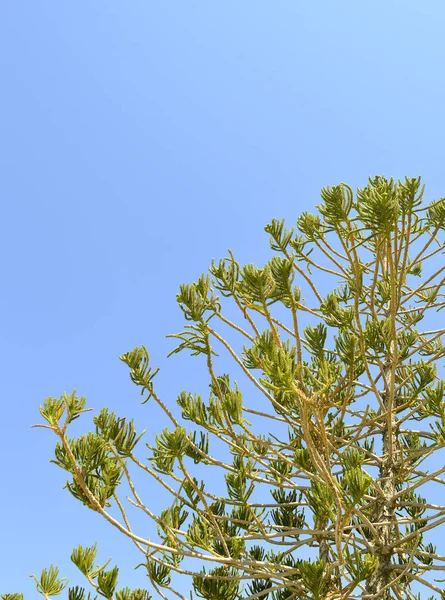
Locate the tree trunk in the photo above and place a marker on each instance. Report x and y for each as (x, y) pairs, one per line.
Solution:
(385, 504)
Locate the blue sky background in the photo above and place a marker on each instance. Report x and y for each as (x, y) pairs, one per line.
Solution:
(139, 140)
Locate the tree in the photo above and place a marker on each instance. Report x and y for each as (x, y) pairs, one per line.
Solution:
(324, 452)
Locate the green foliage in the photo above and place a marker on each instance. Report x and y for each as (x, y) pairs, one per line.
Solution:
(107, 582)
(310, 226)
(334, 315)
(70, 404)
(222, 583)
(96, 469)
(436, 213)
(378, 205)
(118, 431)
(280, 237)
(159, 573)
(321, 500)
(138, 594)
(314, 577)
(237, 481)
(49, 583)
(257, 285)
(199, 534)
(196, 299)
(308, 472)
(229, 401)
(194, 338)
(226, 276)
(338, 202)
(79, 593)
(288, 514)
(356, 483)
(140, 372)
(361, 566)
(84, 559)
(170, 446)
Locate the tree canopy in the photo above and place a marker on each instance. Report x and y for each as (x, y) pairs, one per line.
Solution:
(314, 470)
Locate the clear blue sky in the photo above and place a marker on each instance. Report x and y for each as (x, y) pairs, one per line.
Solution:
(139, 140)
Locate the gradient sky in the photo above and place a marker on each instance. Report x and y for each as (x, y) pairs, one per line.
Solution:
(139, 140)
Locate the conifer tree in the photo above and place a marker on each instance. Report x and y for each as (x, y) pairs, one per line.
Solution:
(314, 469)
